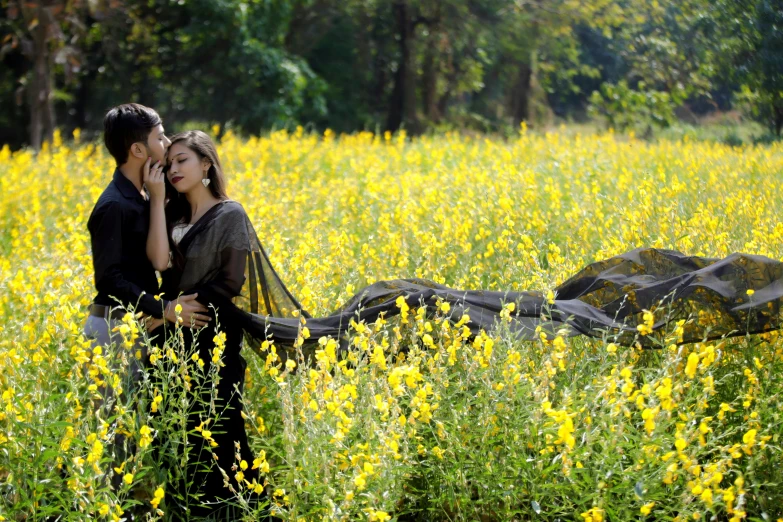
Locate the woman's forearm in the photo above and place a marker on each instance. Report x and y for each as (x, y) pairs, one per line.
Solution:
(157, 238)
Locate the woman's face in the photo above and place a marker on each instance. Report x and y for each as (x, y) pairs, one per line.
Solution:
(185, 168)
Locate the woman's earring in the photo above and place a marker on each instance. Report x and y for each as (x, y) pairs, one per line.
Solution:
(206, 181)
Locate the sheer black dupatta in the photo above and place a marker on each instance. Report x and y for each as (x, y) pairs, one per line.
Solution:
(226, 264)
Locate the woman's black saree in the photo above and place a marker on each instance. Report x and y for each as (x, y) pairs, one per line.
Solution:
(226, 264)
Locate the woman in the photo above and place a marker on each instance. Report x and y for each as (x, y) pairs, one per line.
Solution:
(216, 254)
(196, 216)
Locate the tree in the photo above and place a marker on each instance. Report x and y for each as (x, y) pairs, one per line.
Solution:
(42, 31)
(763, 81)
(669, 53)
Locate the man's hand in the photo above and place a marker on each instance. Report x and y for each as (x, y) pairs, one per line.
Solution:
(190, 312)
(150, 323)
(153, 180)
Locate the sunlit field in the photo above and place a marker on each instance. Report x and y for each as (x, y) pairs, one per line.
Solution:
(415, 422)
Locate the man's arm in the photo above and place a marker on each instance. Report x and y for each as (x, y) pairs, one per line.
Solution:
(106, 238)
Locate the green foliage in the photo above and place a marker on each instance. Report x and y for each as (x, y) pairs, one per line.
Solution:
(762, 90)
(731, 133)
(380, 65)
(624, 107)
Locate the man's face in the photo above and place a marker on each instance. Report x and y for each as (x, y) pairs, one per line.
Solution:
(158, 144)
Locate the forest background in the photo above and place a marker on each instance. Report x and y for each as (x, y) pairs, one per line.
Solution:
(418, 65)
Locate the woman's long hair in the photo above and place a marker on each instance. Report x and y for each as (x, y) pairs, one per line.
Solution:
(178, 209)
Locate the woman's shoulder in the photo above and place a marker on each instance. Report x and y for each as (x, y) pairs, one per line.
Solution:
(232, 224)
(231, 207)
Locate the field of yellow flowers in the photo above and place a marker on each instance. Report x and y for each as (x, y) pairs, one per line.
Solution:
(416, 422)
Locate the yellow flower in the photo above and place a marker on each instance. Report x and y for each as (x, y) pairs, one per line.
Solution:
(379, 516)
(648, 414)
(706, 496)
(594, 514)
(157, 497)
(693, 363)
(257, 462)
(146, 436)
(647, 508)
(680, 444)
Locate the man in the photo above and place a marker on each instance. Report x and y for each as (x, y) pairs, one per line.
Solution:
(118, 225)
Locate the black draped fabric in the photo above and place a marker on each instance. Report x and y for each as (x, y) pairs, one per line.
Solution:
(217, 274)
(228, 267)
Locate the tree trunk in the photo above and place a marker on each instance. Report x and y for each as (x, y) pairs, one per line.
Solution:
(380, 66)
(39, 90)
(49, 118)
(402, 106)
(451, 85)
(87, 84)
(430, 78)
(395, 115)
(33, 93)
(452, 63)
(82, 99)
(519, 99)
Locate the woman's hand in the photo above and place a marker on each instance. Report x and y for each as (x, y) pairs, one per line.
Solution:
(157, 237)
(153, 180)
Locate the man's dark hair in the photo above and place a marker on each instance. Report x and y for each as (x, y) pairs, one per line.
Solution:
(126, 124)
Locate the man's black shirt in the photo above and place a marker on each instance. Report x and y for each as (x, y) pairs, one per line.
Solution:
(118, 231)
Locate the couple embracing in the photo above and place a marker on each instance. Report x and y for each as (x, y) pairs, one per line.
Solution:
(166, 209)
